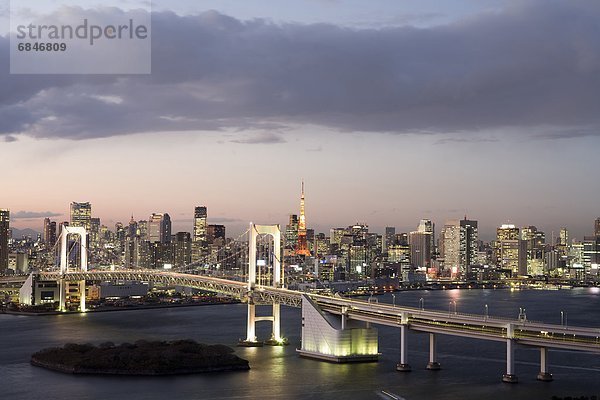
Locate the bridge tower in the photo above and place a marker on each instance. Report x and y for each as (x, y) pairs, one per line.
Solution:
(64, 265)
(276, 339)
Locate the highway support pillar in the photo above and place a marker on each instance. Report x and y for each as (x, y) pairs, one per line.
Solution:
(62, 295)
(510, 376)
(544, 375)
(403, 365)
(433, 364)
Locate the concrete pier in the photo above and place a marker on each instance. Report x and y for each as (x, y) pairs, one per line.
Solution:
(433, 364)
(510, 376)
(544, 375)
(403, 365)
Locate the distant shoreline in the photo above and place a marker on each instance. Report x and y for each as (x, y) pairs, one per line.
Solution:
(111, 309)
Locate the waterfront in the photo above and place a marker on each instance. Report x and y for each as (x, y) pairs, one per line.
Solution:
(471, 368)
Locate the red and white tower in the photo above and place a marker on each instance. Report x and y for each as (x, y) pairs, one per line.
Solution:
(302, 248)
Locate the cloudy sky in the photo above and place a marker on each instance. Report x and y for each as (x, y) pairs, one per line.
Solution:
(390, 110)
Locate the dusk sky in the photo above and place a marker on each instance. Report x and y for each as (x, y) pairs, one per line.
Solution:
(391, 111)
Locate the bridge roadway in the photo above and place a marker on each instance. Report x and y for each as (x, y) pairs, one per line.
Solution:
(524, 332)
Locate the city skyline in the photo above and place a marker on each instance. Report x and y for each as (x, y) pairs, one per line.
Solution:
(390, 112)
(24, 221)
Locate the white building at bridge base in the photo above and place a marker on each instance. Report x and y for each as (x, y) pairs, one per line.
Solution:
(333, 338)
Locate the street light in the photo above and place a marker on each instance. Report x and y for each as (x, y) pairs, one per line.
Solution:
(449, 306)
(486, 312)
(422, 303)
(563, 318)
(394, 299)
(522, 314)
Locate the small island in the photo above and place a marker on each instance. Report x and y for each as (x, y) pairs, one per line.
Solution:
(140, 358)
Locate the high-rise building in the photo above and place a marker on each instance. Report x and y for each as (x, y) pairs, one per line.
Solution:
(215, 234)
(563, 237)
(302, 248)
(469, 243)
(133, 248)
(510, 251)
(597, 227)
(591, 251)
(459, 245)
(132, 229)
(321, 245)
(49, 235)
(420, 249)
(535, 242)
(81, 215)
(4, 228)
(94, 233)
(390, 236)
(425, 225)
(182, 249)
(143, 229)
(120, 236)
(199, 237)
(159, 228)
(563, 247)
(450, 246)
(166, 238)
(291, 232)
(290, 240)
(336, 235)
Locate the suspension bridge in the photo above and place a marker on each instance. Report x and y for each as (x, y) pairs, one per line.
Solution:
(333, 328)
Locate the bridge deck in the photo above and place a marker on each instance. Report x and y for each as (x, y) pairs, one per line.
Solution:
(457, 324)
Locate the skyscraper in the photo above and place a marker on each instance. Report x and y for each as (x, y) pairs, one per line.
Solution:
(510, 251)
(291, 236)
(182, 249)
(166, 236)
(49, 235)
(563, 238)
(597, 227)
(536, 243)
(132, 245)
(450, 246)
(4, 227)
(199, 238)
(420, 249)
(302, 249)
(390, 236)
(425, 225)
(94, 233)
(159, 228)
(469, 237)
(81, 215)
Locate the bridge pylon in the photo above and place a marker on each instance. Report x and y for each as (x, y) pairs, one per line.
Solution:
(276, 339)
(64, 265)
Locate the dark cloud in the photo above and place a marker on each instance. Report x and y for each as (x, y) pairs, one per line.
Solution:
(535, 63)
(33, 214)
(261, 138)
